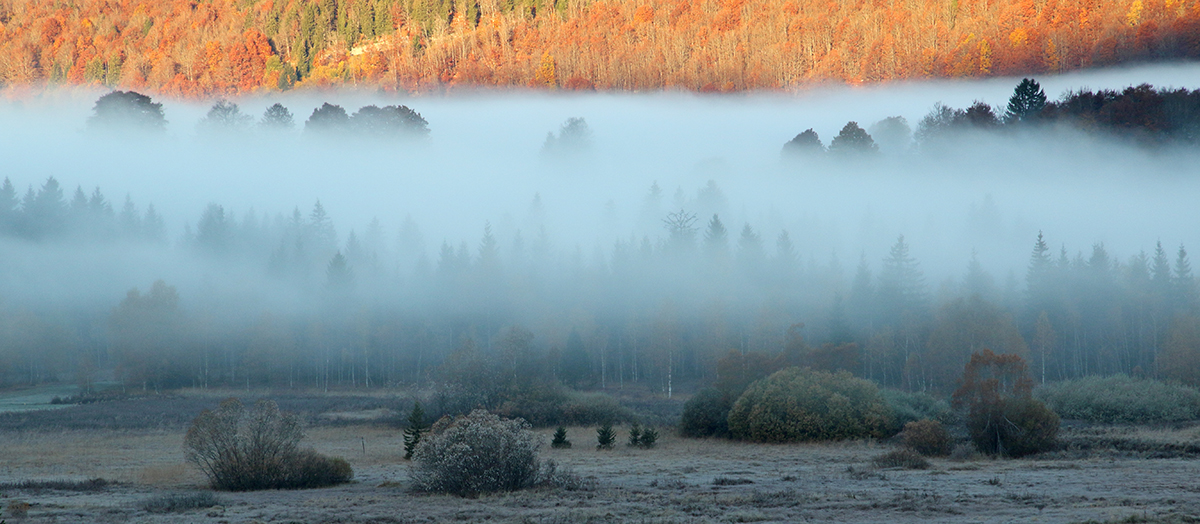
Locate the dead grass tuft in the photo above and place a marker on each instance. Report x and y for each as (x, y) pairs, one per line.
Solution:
(96, 484)
(902, 458)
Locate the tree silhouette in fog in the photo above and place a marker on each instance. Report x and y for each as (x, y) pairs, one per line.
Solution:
(127, 110)
(1026, 102)
(225, 117)
(389, 122)
(327, 119)
(852, 141)
(804, 144)
(573, 137)
(277, 117)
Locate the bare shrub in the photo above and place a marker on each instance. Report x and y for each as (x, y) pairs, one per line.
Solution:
(476, 454)
(180, 502)
(927, 437)
(901, 458)
(244, 450)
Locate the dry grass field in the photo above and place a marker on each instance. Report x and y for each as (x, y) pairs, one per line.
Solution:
(1113, 476)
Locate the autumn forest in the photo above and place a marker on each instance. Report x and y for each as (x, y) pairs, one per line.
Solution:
(214, 48)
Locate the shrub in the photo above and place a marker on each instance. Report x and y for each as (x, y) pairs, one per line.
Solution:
(1029, 427)
(1002, 416)
(309, 469)
(560, 439)
(913, 406)
(1122, 399)
(927, 437)
(605, 436)
(475, 454)
(801, 404)
(180, 502)
(901, 458)
(706, 414)
(243, 450)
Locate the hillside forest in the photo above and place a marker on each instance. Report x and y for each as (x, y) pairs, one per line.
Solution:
(212, 48)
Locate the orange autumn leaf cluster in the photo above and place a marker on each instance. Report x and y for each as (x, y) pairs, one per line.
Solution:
(211, 48)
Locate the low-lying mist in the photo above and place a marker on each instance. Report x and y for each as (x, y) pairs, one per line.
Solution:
(482, 225)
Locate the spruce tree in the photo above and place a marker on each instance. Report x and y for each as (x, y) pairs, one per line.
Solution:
(635, 435)
(649, 438)
(605, 436)
(560, 439)
(416, 428)
(1027, 101)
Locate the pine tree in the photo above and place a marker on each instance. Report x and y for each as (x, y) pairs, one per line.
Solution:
(560, 439)
(605, 436)
(649, 438)
(635, 435)
(715, 238)
(416, 428)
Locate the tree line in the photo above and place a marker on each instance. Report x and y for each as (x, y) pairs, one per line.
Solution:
(132, 111)
(661, 311)
(1143, 114)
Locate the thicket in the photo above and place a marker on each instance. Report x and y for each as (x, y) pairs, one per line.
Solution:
(1121, 399)
(800, 404)
(706, 414)
(911, 406)
(481, 453)
(241, 449)
(1002, 416)
(927, 437)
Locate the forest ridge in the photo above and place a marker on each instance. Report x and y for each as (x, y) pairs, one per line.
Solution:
(212, 48)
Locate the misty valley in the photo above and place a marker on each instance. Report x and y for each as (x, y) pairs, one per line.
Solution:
(948, 301)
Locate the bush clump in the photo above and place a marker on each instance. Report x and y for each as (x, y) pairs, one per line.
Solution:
(1002, 416)
(901, 458)
(476, 454)
(909, 406)
(927, 437)
(706, 414)
(1122, 399)
(798, 404)
(246, 450)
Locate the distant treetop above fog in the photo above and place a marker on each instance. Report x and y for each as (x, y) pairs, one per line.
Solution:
(225, 117)
(277, 117)
(127, 111)
(397, 121)
(1145, 114)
